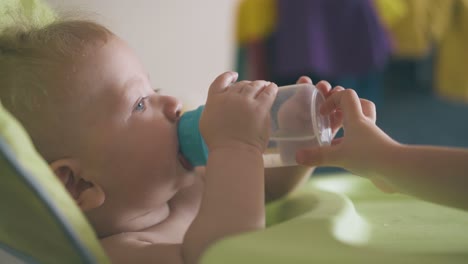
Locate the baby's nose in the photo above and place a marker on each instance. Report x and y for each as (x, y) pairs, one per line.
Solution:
(172, 108)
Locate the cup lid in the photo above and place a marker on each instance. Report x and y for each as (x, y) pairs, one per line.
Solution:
(320, 123)
(191, 142)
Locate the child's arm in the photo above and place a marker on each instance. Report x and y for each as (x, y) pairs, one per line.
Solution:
(235, 127)
(435, 174)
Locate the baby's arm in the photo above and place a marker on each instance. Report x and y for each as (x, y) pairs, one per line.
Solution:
(283, 180)
(234, 125)
(437, 174)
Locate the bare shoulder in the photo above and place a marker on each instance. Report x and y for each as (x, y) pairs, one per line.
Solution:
(129, 248)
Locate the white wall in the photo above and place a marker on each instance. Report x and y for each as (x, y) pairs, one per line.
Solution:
(184, 44)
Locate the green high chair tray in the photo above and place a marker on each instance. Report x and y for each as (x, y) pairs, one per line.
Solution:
(343, 218)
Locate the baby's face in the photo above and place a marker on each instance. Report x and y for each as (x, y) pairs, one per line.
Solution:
(130, 131)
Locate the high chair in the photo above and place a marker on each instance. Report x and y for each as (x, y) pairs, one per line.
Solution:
(338, 218)
(332, 219)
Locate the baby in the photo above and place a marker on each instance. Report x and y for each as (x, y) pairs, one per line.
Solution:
(92, 113)
(88, 104)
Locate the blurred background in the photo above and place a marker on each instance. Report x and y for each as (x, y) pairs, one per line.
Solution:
(408, 56)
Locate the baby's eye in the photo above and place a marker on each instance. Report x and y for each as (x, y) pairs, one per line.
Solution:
(140, 106)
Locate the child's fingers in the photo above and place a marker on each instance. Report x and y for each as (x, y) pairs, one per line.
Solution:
(336, 89)
(304, 79)
(347, 101)
(324, 87)
(368, 109)
(336, 120)
(222, 81)
(337, 141)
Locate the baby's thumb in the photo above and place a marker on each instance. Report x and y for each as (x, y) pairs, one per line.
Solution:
(315, 156)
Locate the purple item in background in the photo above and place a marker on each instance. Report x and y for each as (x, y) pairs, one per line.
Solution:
(332, 38)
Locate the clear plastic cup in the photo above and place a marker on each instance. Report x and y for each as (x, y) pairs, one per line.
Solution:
(295, 123)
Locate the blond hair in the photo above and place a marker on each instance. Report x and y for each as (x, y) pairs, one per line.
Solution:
(34, 64)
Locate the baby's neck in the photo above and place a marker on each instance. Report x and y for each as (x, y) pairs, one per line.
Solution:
(168, 220)
(136, 223)
(148, 219)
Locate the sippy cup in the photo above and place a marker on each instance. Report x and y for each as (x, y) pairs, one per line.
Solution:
(295, 122)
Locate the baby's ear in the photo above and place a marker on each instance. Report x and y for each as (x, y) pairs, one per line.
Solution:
(87, 194)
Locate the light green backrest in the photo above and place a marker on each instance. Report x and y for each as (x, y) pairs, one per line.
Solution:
(39, 220)
(34, 10)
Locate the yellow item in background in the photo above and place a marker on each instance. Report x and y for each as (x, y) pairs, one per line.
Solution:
(452, 58)
(255, 20)
(391, 11)
(441, 17)
(415, 24)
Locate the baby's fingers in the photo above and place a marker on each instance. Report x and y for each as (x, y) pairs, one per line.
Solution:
(222, 81)
(253, 88)
(267, 94)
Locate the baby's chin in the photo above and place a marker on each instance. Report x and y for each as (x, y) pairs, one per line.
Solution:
(185, 170)
(185, 163)
(187, 178)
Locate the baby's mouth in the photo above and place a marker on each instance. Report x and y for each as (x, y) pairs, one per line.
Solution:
(185, 163)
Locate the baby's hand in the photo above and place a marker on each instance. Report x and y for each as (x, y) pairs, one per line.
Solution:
(237, 114)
